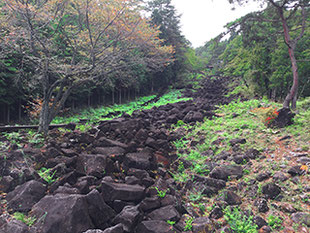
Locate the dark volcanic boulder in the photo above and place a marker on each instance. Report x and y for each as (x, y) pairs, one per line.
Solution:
(15, 226)
(203, 224)
(154, 226)
(271, 190)
(109, 151)
(62, 213)
(223, 172)
(129, 218)
(24, 196)
(230, 197)
(105, 142)
(115, 229)
(193, 116)
(284, 118)
(301, 217)
(142, 160)
(92, 165)
(115, 191)
(165, 213)
(99, 212)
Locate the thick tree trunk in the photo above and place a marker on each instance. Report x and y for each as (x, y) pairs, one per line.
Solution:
(8, 119)
(292, 95)
(89, 100)
(44, 120)
(19, 110)
(113, 101)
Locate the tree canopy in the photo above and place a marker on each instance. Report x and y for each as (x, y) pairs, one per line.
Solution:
(71, 42)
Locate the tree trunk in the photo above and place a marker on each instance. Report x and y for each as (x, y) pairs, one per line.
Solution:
(292, 95)
(291, 44)
(120, 96)
(44, 120)
(88, 100)
(113, 101)
(19, 110)
(8, 114)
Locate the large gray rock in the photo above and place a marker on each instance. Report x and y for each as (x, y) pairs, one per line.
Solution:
(24, 196)
(203, 224)
(115, 191)
(15, 226)
(154, 226)
(62, 213)
(165, 213)
(92, 165)
(128, 217)
(139, 160)
(301, 217)
(230, 197)
(271, 190)
(225, 171)
(99, 212)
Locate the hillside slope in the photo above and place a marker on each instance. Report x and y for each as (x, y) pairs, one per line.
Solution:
(203, 165)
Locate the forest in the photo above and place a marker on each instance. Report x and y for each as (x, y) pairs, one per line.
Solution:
(112, 122)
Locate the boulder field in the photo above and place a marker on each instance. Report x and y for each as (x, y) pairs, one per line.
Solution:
(116, 177)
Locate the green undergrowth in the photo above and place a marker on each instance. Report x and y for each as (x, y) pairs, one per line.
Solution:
(237, 120)
(99, 114)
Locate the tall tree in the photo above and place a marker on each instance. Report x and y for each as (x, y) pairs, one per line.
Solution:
(287, 11)
(71, 42)
(164, 15)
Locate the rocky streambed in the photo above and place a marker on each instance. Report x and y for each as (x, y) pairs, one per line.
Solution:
(116, 177)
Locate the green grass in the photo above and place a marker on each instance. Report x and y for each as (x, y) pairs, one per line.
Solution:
(238, 221)
(240, 120)
(98, 114)
(29, 221)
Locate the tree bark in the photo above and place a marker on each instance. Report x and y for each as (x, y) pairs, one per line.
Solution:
(44, 117)
(292, 95)
(291, 44)
(8, 113)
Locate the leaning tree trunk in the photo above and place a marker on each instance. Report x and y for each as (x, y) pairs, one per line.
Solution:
(44, 120)
(292, 95)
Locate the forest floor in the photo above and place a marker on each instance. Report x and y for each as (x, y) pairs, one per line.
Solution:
(206, 162)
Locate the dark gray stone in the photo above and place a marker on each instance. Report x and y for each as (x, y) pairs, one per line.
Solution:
(99, 212)
(154, 226)
(259, 221)
(129, 218)
(93, 165)
(62, 213)
(24, 196)
(262, 205)
(165, 213)
(124, 192)
(301, 217)
(225, 171)
(271, 190)
(15, 226)
(203, 224)
(230, 197)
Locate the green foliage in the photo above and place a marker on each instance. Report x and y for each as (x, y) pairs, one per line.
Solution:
(238, 221)
(45, 174)
(188, 224)
(195, 196)
(29, 221)
(100, 114)
(161, 193)
(13, 138)
(275, 222)
(258, 55)
(171, 223)
(35, 138)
